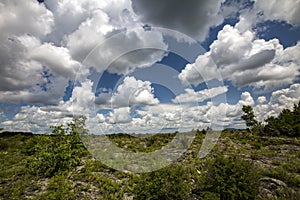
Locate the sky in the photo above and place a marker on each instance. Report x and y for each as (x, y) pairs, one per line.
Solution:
(146, 66)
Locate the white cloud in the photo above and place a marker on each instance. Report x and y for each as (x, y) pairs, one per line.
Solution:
(104, 99)
(82, 101)
(204, 69)
(287, 10)
(262, 11)
(172, 116)
(122, 44)
(68, 15)
(286, 97)
(94, 124)
(48, 90)
(88, 35)
(21, 38)
(34, 119)
(22, 78)
(191, 96)
(246, 99)
(21, 31)
(17, 72)
(15, 20)
(261, 100)
(244, 60)
(133, 92)
(230, 46)
(57, 59)
(155, 118)
(127, 50)
(279, 100)
(120, 12)
(120, 115)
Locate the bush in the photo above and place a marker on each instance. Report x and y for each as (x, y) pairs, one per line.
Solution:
(168, 183)
(55, 153)
(59, 188)
(230, 178)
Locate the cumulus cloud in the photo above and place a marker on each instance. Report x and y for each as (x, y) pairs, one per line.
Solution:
(88, 35)
(111, 27)
(279, 100)
(16, 72)
(127, 50)
(57, 59)
(186, 117)
(244, 60)
(204, 69)
(120, 115)
(16, 20)
(133, 92)
(286, 97)
(49, 92)
(68, 15)
(57, 36)
(41, 51)
(201, 116)
(35, 119)
(21, 31)
(82, 101)
(261, 11)
(24, 58)
(193, 18)
(157, 117)
(191, 96)
(246, 99)
(288, 10)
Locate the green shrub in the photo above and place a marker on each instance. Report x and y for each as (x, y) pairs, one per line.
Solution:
(230, 178)
(172, 182)
(59, 188)
(286, 123)
(55, 153)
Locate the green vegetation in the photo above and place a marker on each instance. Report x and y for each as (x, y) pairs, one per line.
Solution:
(56, 153)
(249, 116)
(168, 183)
(231, 178)
(250, 119)
(146, 143)
(243, 165)
(287, 123)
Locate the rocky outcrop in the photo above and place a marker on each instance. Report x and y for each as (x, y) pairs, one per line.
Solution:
(270, 188)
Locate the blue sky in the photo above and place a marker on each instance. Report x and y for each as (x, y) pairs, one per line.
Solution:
(146, 66)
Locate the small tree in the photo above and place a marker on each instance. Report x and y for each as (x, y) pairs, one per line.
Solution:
(251, 122)
(248, 116)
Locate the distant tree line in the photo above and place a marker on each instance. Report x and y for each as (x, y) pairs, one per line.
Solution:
(287, 123)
